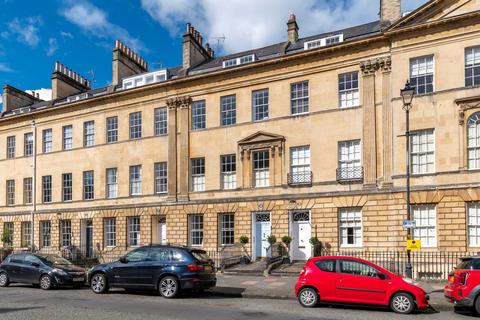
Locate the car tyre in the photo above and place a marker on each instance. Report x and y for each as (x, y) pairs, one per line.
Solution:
(308, 297)
(4, 281)
(169, 287)
(46, 282)
(402, 303)
(476, 305)
(99, 283)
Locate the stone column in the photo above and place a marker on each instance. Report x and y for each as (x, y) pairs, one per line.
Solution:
(386, 67)
(172, 150)
(369, 126)
(183, 148)
(246, 169)
(272, 167)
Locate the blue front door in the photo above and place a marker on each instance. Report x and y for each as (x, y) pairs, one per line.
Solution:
(262, 231)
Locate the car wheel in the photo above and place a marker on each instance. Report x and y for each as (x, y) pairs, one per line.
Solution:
(402, 303)
(476, 305)
(46, 282)
(169, 287)
(4, 281)
(308, 297)
(99, 284)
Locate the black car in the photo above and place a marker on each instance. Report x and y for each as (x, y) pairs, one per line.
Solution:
(46, 270)
(168, 269)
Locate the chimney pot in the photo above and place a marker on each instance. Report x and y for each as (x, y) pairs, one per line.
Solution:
(292, 29)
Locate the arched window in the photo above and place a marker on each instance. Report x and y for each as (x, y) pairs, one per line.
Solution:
(473, 141)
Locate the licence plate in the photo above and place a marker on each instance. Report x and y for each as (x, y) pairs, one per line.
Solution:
(208, 268)
(78, 279)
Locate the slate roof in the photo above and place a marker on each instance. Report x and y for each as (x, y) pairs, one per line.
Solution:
(261, 54)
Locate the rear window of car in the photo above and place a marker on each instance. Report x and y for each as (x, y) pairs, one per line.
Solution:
(469, 264)
(200, 255)
(326, 265)
(16, 258)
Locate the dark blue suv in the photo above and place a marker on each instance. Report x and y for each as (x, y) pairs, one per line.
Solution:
(168, 269)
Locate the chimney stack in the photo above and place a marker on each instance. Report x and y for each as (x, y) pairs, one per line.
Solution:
(66, 82)
(390, 11)
(126, 63)
(193, 51)
(14, 98)
(292, 28)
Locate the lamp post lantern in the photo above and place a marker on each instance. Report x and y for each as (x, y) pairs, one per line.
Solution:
(407, 94)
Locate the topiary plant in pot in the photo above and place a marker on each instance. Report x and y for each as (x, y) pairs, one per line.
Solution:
(287, 240)
(246, 257)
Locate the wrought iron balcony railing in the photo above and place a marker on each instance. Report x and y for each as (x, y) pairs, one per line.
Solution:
(300, 178)
(354, 174)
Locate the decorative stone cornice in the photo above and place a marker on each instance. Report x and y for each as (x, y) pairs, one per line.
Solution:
(465, 104)
(179, 102)
(369, 67)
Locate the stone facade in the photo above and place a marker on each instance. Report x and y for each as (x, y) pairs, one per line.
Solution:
(381, 61)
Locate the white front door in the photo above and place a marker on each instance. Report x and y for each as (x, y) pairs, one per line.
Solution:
(300, 248)
(162, 230)
(261, 230)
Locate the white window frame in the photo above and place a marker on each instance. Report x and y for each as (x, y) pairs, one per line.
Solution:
(45, 233)
(228, 175)
(228, 110)
(322, 42)
(300, 161)
(473, 141)
(197, 174)
(261, 175)
(27, 190)
(199, 115)
(47, 141)
(161, 177)
(110, 232)
(88, 185)
(473, 65)
(351, 160)
(67, 137)
(226, 224)
(10, 192)
(348, 219)
(89, 133)
(418, 155)
(111, 191)
(135, 125)
(111, 124)
(67, 185)
(473, 224)
(299, 103)
(28, 144)
(11, 146)
(348, 97)
(26, 233)
(239, 61)
(135, 181)
(260, 104)
(195, 230)
(134, 231)
(66, 232)
(416, 74)
(46, 189)
(160, 121)
(422, 223)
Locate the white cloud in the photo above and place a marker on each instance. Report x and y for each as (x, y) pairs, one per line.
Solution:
(26, 30)
(5, 68)
(249, 24)
(94, 21)
(66, 35)
(45, 94)
(52, 46)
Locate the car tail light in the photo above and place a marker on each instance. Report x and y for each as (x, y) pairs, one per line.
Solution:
(462, 278)
(195, 267)
(451, 278)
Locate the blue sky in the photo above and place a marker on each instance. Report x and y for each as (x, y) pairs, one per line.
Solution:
(81, 34)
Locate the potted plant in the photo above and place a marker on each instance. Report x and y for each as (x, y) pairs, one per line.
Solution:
(246, 258)
(287, 240)
(316, 246)
(7, 244)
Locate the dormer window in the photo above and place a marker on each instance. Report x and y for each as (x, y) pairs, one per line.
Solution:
(78, 97)
(143, 79)
(238, 61)
(327, 41)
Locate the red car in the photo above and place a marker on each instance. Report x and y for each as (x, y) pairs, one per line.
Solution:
(463, 288)
(356, 281)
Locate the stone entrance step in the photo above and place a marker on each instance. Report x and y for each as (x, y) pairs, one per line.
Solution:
(291, 270)
(254, 268)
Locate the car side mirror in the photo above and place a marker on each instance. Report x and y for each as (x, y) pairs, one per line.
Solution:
(123, 259)
(381, 276)
(35, 264)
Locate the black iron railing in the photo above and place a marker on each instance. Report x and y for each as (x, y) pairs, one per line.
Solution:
(354, 174)
(300, 178)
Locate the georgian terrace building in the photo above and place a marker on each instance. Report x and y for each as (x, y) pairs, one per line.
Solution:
(300, 138)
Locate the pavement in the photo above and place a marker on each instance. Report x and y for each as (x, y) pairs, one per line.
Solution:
(23, 302)
(282, 287)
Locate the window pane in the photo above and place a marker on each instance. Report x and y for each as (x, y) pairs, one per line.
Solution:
(421, 74)
(198, 174)
(135, 180)
(299, 97)
(350, 224)
(261, 168)
(260, 105)
(425, 225)
(112, 183)
(348, 90)
(135, 125)
(112, 129)
(228, 110)
(198, 115)
(161, 121)
(161, 177)
(196, 230)
(228, 171)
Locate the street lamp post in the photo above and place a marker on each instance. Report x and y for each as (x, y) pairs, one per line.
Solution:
(34, 186)
(407, 97)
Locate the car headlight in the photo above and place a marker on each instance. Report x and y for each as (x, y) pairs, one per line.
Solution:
(60, 272)
(411, 281)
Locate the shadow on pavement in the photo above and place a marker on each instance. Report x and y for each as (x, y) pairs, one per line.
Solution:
(10, 310)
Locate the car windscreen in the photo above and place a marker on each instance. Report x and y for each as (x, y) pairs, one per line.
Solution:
(466, 264)
(51, 259)
(201, 255)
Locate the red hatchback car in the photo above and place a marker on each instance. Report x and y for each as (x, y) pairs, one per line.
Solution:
(352, 280)
(463, 287)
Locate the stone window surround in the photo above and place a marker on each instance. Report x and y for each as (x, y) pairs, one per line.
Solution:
(466, 108)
